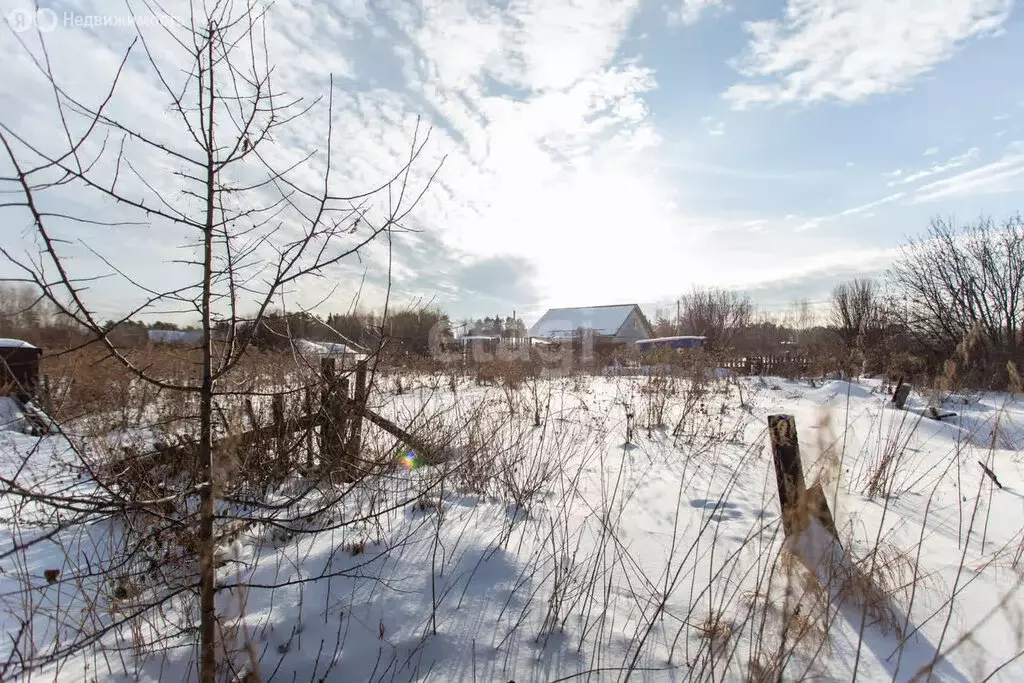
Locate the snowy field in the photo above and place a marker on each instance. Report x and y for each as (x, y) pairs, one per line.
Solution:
(563, 552)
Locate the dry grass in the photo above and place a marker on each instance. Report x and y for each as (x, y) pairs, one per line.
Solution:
(717, 630)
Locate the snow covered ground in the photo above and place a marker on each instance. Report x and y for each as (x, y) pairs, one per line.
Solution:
(562, 552)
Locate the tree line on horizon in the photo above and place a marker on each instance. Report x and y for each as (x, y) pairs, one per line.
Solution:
(951, 304)
(25, 315)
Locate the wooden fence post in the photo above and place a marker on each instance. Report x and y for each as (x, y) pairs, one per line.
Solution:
(342, 415)
(901, 394)
(789, 472)
(307, 409)
(334, 419)
(326, 413)
(796, 500)
(355, 442)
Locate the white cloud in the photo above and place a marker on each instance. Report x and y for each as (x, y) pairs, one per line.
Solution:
(574, 128)
(856, 259)
(893, 174)
(714, 127)
(871, 205)
(931, 151)
(689, 12)
(938, 169)
(1003, 175)
(534, 106)
(849, 50)
(812, 223)
(532, 44)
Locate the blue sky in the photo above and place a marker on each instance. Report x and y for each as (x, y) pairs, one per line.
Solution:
(611, 151)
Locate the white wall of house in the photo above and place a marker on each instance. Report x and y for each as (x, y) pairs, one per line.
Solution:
(632, 329)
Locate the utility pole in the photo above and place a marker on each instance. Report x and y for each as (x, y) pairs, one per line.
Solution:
(678, 316)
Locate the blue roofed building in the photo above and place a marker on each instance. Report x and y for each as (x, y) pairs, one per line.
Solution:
(677, 342)
(158, 336)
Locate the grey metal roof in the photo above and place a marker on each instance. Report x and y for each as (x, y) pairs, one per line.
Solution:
(326, 348)
(673, 338)
(563, 322)
(16, 344)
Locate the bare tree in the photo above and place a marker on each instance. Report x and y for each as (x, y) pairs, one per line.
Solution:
(252, 227)
(961, 279)
(855, 310)
(801, 316)
(718, 314)
(26, 314)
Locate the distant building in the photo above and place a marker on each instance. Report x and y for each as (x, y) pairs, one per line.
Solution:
(174, 336)
(487, 343)
(315, 350)
(19, 368)
(617, 324)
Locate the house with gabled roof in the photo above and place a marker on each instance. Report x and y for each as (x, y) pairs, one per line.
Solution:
(616, 324)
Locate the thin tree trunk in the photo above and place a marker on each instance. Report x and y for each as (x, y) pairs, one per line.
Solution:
(207, 602)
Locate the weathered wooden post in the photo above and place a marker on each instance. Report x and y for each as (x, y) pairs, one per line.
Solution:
(343, 414)
(355, 442)
(307, 409)
(798, 502)
(789, 472)
(901, 394)
(326, 416)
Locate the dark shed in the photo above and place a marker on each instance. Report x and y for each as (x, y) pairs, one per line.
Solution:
(19, 368)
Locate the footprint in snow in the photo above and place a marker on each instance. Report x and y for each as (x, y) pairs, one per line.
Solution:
(721, 510)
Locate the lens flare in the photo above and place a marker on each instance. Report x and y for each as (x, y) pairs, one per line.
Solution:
(408, 460)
